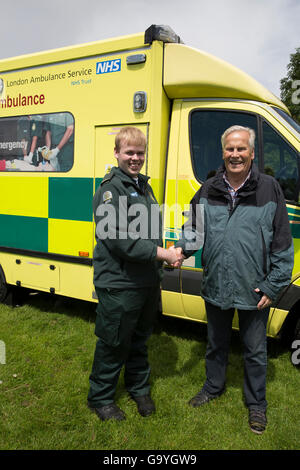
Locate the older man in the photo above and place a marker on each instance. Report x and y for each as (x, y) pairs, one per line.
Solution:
(247, 260)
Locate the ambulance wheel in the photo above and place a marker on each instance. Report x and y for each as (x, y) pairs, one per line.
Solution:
(297, 330)
(291, 326)
(3, 287)
(295, 347)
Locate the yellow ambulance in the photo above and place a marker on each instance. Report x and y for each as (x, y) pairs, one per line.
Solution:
(73, 101)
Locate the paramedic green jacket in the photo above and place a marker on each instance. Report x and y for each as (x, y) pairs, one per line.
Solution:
(128, 231)
(245, 247)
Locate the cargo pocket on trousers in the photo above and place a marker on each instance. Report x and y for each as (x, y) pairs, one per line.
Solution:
(107, 327)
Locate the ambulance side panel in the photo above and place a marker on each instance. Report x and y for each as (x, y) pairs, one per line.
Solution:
(46, 220)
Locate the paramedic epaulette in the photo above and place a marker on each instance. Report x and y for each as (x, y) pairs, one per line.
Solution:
(107, 177)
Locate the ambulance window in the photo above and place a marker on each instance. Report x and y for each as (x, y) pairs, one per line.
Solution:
(206, 130)
(282, 162)
(288, 118)
(37, 142)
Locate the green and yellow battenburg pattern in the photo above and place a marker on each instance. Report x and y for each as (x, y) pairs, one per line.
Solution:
(56, 216)
(47, 214)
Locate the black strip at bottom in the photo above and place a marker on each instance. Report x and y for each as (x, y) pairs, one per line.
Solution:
(50, 256)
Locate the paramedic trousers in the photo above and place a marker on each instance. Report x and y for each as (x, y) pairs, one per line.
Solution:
(124, 323)
(252, 326)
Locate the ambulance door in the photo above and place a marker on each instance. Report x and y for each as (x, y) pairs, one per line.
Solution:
(202, 124)
(172, 217)
(104, 149)
(186, 186)
(199, 155)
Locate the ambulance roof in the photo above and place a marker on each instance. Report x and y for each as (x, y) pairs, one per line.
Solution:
(70, 53)
(191, 73)
(188, 72)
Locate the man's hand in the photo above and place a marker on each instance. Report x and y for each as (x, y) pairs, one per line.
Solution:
(172, 256)
(180, 256)
(264, 302)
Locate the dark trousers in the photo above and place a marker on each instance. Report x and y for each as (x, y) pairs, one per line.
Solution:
(252, 326)
(124, 323)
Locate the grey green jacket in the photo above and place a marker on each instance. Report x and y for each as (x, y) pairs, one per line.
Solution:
(245, 246)
(128, 231)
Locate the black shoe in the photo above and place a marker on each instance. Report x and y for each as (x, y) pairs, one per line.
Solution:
(107, 412)
(145, 405)
(200, 399)
(257, 421)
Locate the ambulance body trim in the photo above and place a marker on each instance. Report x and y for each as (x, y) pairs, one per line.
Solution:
(50, 256)
(72, 61)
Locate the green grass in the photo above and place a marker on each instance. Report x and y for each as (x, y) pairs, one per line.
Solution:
(49, 352)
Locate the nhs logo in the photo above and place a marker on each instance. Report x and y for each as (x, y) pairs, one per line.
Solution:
(108, 66)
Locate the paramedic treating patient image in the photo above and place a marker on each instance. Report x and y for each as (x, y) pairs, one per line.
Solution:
(30, 131)
(60, 139)
(38, 142)
(127, 275)
(247, 259)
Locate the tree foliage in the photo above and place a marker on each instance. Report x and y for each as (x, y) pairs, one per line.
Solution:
(290, 86)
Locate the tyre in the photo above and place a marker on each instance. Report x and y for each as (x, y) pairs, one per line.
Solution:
(3, 287)
(290, 327)
(297, 330)
(295, 346)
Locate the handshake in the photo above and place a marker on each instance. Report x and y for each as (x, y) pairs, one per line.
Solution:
(173, 256)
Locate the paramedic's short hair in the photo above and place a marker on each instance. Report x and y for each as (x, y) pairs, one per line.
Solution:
(131, 135)
(231, 129)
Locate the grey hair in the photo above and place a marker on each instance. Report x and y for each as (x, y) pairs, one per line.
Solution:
(231, 129)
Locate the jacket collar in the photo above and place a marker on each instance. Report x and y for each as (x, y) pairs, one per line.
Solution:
(126, 178)
(218, 184)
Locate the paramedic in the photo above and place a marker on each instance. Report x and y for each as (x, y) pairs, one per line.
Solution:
(60, 137)
(247, 260)
(30, 133)
(127, 275)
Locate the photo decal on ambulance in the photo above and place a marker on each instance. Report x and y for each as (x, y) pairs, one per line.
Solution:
(39, 142)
